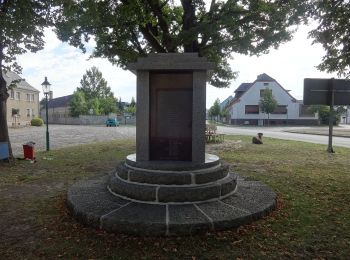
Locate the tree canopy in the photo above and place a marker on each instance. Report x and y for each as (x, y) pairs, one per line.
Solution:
(334, 35)
(126, 29)
(93, 93)
(22, 25)
(78, 104)
(214, 110)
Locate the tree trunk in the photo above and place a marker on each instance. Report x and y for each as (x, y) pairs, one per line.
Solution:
(188, 22)
(4, 135)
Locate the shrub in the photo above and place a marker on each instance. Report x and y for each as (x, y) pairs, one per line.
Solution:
(36, 121)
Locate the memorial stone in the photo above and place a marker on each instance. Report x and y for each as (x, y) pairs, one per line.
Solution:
(170, 186)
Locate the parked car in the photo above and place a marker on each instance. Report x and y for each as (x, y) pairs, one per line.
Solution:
(112, 122)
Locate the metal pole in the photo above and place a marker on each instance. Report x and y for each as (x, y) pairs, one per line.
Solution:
(331, 117)
(47, 123)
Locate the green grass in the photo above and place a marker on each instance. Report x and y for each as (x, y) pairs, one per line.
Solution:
(312, 219)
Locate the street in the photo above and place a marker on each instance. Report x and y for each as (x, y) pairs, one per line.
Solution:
(278, 132)
(69, 135)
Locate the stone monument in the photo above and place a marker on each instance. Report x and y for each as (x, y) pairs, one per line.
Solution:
(170, 186)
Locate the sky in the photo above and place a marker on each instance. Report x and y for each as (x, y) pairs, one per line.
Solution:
(65, 66)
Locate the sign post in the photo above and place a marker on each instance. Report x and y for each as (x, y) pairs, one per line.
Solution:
(331, 92)
(331, 117)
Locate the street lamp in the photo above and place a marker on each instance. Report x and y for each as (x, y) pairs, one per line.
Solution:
(46, 89)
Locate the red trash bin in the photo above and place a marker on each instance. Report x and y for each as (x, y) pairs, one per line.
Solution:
(28, 151)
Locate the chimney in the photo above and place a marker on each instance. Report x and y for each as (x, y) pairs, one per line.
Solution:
(50, 95)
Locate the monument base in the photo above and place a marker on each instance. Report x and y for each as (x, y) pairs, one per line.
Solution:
(160, 198)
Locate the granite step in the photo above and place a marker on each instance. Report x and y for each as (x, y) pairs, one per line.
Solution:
(172, 193)
(172, 177)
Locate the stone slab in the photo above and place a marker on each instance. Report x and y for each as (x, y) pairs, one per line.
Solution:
(154, 177)
(88, 205)
(188, 194)
(171, 61)
(212, 175)
(132, 190)
(229, 186)
(138, 219)
(210, 161)
(224, 216)
(187, 220)
(254, 197)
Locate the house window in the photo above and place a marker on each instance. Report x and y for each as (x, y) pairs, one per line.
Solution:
(32, 96)
(28, 97)
(12, 94)
(252, 109)
(304, 111)
(15, 111)
(262, 91)
(18, 96)
(266, 83)
(28, 112)
(280, 110)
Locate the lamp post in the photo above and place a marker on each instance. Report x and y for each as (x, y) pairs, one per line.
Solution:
(46, 89)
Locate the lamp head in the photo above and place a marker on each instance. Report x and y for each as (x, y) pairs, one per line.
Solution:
(46, 86)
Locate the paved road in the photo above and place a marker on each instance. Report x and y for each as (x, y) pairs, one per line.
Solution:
(278, 132)
(69, 135)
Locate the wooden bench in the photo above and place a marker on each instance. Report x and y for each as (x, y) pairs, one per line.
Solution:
(211, 136)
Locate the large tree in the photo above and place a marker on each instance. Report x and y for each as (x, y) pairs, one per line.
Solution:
(97, 93)
(21, 29)
(93, 85)
(126, 29)
(334, 35)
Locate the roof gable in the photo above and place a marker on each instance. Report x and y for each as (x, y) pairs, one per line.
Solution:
(243, 87)
(264, 77)
(10, 76)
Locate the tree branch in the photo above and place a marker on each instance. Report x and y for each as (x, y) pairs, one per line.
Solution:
(136, 43)
(151, 39)
(157, 11)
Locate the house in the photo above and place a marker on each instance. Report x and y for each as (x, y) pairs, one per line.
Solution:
(244, 107)
(23, 101)
(58, 109)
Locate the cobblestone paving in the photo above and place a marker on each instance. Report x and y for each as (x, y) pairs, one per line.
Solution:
(67, 135)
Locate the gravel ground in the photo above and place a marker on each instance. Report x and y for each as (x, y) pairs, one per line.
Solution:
(66, 135)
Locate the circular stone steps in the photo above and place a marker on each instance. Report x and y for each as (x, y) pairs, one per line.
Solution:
(167, 198)
(92, 204)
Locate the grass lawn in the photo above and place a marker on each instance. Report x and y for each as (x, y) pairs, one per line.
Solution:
(312, 219)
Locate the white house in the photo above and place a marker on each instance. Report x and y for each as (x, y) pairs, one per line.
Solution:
(244, 107)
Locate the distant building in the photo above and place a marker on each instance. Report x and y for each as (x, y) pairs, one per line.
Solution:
(244, 107)
(23, 101)
(58, 109)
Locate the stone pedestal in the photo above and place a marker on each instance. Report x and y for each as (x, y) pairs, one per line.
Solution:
(170, 114)
(170, 186)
